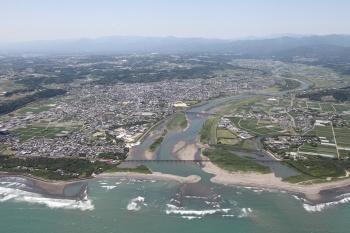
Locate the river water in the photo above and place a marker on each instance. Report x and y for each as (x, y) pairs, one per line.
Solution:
(134, 206)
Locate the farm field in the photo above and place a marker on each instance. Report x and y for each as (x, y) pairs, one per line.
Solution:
(258, 128)
(342, 136)
(37, 131)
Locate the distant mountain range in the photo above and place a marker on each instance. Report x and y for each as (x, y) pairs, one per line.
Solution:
(306, 46)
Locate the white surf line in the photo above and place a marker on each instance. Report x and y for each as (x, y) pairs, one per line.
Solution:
(335, 141)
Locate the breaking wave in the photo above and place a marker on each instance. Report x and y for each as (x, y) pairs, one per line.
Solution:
(191, 217)
(135, 204)
(245, 212)
(198, 214)
(312, 208)
(109, 187)
(172, 209)
(345, 198)
(17, 195)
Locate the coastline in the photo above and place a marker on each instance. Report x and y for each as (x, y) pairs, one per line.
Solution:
(314, 193)
(56, 189)
(153, 176)
(49, 188)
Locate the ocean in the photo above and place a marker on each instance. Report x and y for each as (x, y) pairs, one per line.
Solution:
(135, 206)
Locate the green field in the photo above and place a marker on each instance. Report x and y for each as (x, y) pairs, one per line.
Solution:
(314, 105)
(237, 104)
(255, 127)
(323, 131)
(227, 160)
(319, 149)
(34, 109)
(326, 107)
(38, 132)
(320, 168)
(343, 136)
(224, 133)
(226, 137)
(341, 107)
(226, 141)
(208, 131)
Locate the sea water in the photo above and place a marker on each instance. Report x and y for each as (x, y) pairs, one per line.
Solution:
(133, 205)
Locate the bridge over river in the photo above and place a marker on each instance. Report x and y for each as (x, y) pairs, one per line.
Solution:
(188, 161)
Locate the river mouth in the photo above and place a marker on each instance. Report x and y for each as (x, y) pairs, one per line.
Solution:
(184, 145)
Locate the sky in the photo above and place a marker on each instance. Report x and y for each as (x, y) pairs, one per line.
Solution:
(25, 20)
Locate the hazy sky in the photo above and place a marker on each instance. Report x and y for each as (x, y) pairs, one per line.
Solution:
(56, 19)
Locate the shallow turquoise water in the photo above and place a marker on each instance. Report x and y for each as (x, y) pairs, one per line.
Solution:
(250, 210)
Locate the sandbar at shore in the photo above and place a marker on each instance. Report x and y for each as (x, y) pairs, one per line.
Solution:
(270, 181)
(152, 176)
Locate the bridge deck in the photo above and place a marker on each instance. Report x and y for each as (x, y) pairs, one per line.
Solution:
(186, 161)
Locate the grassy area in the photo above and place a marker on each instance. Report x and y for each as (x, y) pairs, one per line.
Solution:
(314, 105)
(177, 122)
(320, 149)
(343, 136)
(288, 84)
(226, 137)
(255, 127)
(156, 144)
(227, 141)
(247, 145)
(38, 131)
(9, 85)
(140, 169)
(227, 160)
(341, 107)
(208, 131)
(320, 168)
(298, 178)
(224, 133)
(326, 107)
(34, 109)
(234, 105)
(344, 153)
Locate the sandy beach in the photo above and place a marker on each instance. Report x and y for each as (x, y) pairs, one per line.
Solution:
(153, 176)
(312, 192)
(42, 186)
(270, 181)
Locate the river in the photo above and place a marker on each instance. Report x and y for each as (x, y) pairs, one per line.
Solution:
(149, 206)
